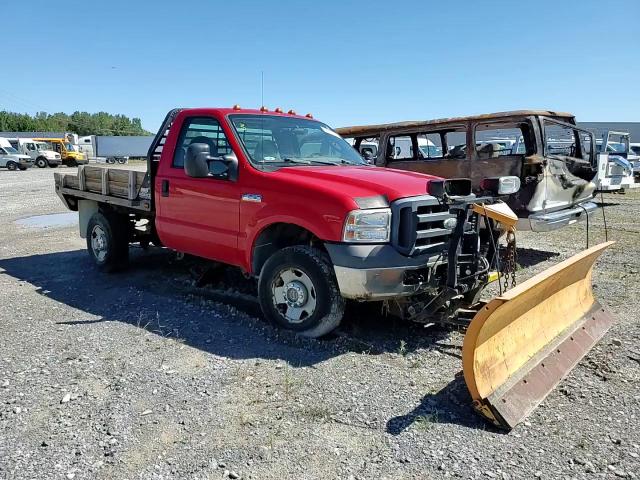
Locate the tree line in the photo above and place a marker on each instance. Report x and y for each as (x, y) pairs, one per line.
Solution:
(82, 123)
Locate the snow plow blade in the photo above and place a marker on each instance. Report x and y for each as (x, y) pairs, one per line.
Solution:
(521, 344)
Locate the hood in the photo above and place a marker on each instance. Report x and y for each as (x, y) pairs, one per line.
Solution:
(364, 181)
(49, 153)
(18, 156)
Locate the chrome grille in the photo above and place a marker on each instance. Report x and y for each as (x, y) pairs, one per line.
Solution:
(418, 225)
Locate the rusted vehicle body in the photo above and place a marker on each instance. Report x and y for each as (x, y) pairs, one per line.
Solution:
(554, 159)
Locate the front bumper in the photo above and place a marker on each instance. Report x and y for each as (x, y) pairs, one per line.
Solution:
(376, 272)
(546, 222)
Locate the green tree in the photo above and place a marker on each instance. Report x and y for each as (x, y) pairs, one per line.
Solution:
(82, 123)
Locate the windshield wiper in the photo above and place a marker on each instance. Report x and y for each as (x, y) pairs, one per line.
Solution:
(310, 161)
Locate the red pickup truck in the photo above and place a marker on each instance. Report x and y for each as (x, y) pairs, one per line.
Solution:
(288, 201)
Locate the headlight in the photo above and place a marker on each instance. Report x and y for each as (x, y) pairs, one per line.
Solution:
(501, 185)
(368, 226)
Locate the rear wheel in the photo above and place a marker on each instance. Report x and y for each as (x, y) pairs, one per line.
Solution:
(108, 241)
(12, 166)
(41, 162)
(54, 165)
(298, 291)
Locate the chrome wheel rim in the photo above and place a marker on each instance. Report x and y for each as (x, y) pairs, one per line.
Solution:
(294, 295)
(99, 243)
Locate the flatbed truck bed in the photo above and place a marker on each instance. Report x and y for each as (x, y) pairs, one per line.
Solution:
(114, 186)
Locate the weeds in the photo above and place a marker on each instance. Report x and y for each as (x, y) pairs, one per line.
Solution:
(425, 422)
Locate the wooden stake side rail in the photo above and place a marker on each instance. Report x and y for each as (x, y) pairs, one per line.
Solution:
(113, 186)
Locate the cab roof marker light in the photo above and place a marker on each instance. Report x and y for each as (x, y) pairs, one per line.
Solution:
(278, 110)
(264, 109)
(308, 115)
(237, 107)
(291, 112)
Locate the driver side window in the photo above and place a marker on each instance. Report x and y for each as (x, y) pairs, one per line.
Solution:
(205, 130)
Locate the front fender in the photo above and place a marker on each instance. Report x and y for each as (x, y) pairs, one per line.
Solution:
(326, 227)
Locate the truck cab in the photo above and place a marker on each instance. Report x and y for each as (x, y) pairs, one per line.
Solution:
(40, 152)
(68, 152)
(616, 162)
(11, 159)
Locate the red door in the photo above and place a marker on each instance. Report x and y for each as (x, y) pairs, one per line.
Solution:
(199, 216)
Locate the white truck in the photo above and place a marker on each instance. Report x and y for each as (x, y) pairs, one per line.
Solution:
(11, 159)
(40, 152)
(616, 162)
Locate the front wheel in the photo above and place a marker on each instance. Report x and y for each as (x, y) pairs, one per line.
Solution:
(12, 166)
(108, 241)
(41, 162)
(298, 290)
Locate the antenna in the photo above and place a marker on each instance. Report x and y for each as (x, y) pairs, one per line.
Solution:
(262, 88)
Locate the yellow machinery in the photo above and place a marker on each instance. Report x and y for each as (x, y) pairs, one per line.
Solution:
(520, 344)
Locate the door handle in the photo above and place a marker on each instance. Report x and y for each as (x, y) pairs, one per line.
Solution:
(165, 188)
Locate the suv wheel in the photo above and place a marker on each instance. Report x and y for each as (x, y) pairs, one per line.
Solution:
(298, 291)
(12, 166)
(41, 162)
(108, 241)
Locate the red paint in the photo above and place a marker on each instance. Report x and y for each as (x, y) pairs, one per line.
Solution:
(206, 217)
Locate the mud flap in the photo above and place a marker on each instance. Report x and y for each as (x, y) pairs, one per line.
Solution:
(521, 344)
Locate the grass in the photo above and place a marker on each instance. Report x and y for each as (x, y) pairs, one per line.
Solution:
(425, 422)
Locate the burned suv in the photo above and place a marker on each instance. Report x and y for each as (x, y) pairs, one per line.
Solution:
(554, 159)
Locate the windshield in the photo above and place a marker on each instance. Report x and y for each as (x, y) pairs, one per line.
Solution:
(10, 150)
(69, 147)
(43, 146)
(275, 140)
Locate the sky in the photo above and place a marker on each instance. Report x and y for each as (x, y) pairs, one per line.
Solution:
(346, 62)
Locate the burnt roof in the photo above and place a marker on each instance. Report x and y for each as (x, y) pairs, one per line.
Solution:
(371, 129)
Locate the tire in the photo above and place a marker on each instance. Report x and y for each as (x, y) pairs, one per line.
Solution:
(12, 166)
(72, 163)
(23, 168)
(312, 285)
(108, 241)
(41, 162)
(54, 165)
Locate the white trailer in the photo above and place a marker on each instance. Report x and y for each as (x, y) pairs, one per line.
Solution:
(114, 149)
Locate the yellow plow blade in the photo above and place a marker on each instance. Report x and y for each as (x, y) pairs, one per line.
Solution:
(521, 344)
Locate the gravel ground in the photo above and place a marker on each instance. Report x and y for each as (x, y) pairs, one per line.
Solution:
(139, 375)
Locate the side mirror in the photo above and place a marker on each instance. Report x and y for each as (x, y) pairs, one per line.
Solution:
(198, 163)
(196, 160)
